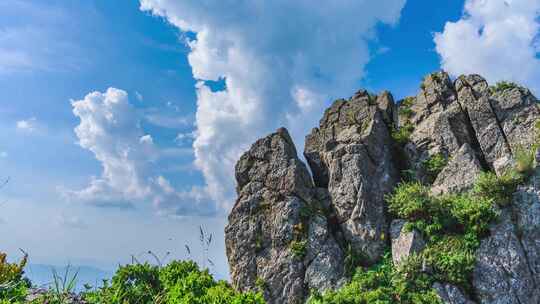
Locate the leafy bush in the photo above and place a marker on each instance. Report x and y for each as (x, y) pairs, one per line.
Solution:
(452, 224)
(502, 86)
(402, 134)
(499, 188)
(298, 248)
(383, 283)
(434, 165)
(405, 107)
(13, 286)
(410, 201)
(179, 282)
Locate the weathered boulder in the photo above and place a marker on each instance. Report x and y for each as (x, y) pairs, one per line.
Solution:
(351, 154)
(324, 257)
(385, 102)
(277, 239)
(526, 212)
(501, 122)
(450, 294)
(517, 112)
(441, 127)
(502, 272)
(266, 222)
(459, 174)
(404, 243)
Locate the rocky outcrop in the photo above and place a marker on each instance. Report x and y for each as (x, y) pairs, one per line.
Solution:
(450, 294)
(351, 154)
(502, 273)
(290, 232)
(508, 261)
(404, 243)
(275, 241)
(459, 174)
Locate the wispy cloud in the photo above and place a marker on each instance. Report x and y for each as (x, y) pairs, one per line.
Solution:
(37, 36)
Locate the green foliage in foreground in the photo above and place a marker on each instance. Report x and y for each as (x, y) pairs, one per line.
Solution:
(13, 286)
(180, 282)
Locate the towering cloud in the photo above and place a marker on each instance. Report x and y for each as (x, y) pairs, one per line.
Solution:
(281, 62)
(495, 38)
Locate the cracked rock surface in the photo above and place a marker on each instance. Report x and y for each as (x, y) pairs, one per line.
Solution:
(292, 230)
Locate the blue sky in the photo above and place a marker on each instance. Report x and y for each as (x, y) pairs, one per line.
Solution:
(122, 120)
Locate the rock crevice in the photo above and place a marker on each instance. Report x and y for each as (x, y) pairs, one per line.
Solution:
(291, 231)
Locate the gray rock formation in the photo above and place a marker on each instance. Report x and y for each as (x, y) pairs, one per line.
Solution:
(441, 126)
(459, 174)
(502, 273)
(290, 232)
(450, 294)
(508, 261)
(275, 241)
(351, 154)
(404, 243)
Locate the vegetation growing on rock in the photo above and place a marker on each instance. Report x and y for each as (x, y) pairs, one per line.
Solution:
(502, 86)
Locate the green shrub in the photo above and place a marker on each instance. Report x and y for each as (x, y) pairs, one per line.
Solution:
(402, 134)
(451, 224)
(405, 107)
(434, 165)
(179, 282)
(524, 160)
(502, 86)
(498, 188)
(13, 286)
(298, 248)
(383, 283)
(451, 259)
(411, 201)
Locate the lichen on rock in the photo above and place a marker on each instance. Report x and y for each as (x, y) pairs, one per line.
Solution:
(291, 232)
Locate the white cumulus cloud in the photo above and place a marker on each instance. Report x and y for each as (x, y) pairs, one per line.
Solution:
(495, 38)
(110, 128)
(281, 61)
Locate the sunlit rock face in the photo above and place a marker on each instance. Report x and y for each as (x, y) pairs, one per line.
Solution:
(295, 229)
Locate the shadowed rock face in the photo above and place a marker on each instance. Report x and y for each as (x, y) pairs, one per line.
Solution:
(290, 231)
(352, 153)
(275, 241)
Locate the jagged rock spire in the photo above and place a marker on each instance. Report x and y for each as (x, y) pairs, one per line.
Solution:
(290, 232)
